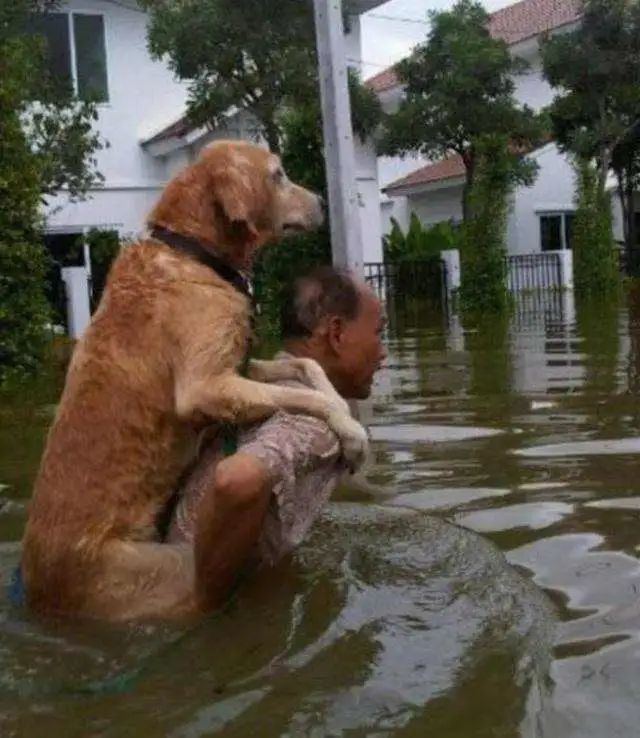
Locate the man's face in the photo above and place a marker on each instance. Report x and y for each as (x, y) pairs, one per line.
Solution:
(358, 349)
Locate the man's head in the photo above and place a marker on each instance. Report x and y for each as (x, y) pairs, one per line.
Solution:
(336, 319)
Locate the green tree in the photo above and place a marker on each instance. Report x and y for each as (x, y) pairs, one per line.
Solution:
(483, 256)
(459, 87)
(419, 243)
(255, 55)
(597, 112)
(595, 257)
(303, 160)
(46, 142)
(58, 125)
(625, 163)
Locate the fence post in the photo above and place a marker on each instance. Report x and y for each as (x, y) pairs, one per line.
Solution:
(566, 269)
(78, 310)
(451, 258)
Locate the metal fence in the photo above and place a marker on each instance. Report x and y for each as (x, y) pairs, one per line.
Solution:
(411, 278)
(534, 271)
(629, 262)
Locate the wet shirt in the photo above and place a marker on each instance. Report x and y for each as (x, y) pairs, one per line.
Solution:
(305, 464)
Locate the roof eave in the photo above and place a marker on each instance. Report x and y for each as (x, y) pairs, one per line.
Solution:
(410, 190)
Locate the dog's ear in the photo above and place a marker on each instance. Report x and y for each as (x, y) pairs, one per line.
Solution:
(235, 200)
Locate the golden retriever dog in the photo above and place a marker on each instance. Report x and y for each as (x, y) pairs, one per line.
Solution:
(159, 362)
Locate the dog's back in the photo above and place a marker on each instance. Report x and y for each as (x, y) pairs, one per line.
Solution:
(116, 447)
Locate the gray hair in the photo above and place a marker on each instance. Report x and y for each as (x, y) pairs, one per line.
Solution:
(323, 293)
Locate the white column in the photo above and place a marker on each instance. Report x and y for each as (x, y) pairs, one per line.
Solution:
(346, 237)
(451, 258)
(77, 289)
(566, 269)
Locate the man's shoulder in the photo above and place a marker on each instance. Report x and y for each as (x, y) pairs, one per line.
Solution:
(285, 428)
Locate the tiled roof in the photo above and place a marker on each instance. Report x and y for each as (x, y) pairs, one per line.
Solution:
(530, 18)
(385, 80)
(512, 24)
(450, 168)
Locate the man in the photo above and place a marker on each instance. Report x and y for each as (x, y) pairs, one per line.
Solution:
(266, 496)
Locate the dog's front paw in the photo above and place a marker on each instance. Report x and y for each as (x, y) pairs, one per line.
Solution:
(353, 437)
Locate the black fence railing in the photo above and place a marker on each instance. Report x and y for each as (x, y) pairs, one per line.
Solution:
(629, 261)
(411, 278)
(534, 271)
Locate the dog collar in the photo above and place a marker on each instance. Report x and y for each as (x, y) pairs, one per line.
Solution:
(194, 248)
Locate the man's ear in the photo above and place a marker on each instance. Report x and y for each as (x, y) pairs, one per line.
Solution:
(334, 332)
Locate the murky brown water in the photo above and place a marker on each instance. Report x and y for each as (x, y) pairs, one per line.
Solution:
(521, 619)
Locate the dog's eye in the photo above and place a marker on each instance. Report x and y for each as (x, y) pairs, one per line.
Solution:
(279, 175)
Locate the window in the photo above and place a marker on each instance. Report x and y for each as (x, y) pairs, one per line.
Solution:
(76, 52)
(556, 231)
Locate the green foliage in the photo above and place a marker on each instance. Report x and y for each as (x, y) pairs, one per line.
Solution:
(277, 265)
(594, 251)
(257, 55)
(459, 88)
(44, 145)
(483, 254)
(419, 243)
(24, 311)
(596, 114)
(104, 246)
(58, 126)
(23, 308)
(596, 67)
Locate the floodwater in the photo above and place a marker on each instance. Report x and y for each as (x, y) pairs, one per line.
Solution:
(488, 584)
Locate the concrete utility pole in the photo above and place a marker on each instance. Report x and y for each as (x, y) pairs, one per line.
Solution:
(346, 235)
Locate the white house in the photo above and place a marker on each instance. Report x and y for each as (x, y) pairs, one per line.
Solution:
(101, 45)
(540, 216)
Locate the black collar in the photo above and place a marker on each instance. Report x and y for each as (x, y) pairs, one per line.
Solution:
(194, 248)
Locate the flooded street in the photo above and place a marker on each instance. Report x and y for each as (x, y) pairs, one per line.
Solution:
(488, 585)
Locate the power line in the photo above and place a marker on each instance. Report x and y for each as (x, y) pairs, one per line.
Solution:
(399, 18)
(367, 63)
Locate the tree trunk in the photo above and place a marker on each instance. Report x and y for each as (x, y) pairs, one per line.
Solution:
(631, 234)
(622, 196)
(272, 134)
(605, 164)
(469, 164)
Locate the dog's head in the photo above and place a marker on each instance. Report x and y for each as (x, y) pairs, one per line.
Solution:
(235, 198)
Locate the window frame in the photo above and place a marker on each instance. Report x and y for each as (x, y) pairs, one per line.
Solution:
(562, 214)
(73, 61)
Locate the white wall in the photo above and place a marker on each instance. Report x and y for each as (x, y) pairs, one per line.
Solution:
(391, 168)
(618, 222)
(368, 200)
(143, 97)
(437, 206)
(552, 191)
(533, 90)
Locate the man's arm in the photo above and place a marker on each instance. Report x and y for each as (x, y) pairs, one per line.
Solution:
(225, 501)
(228, 524)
